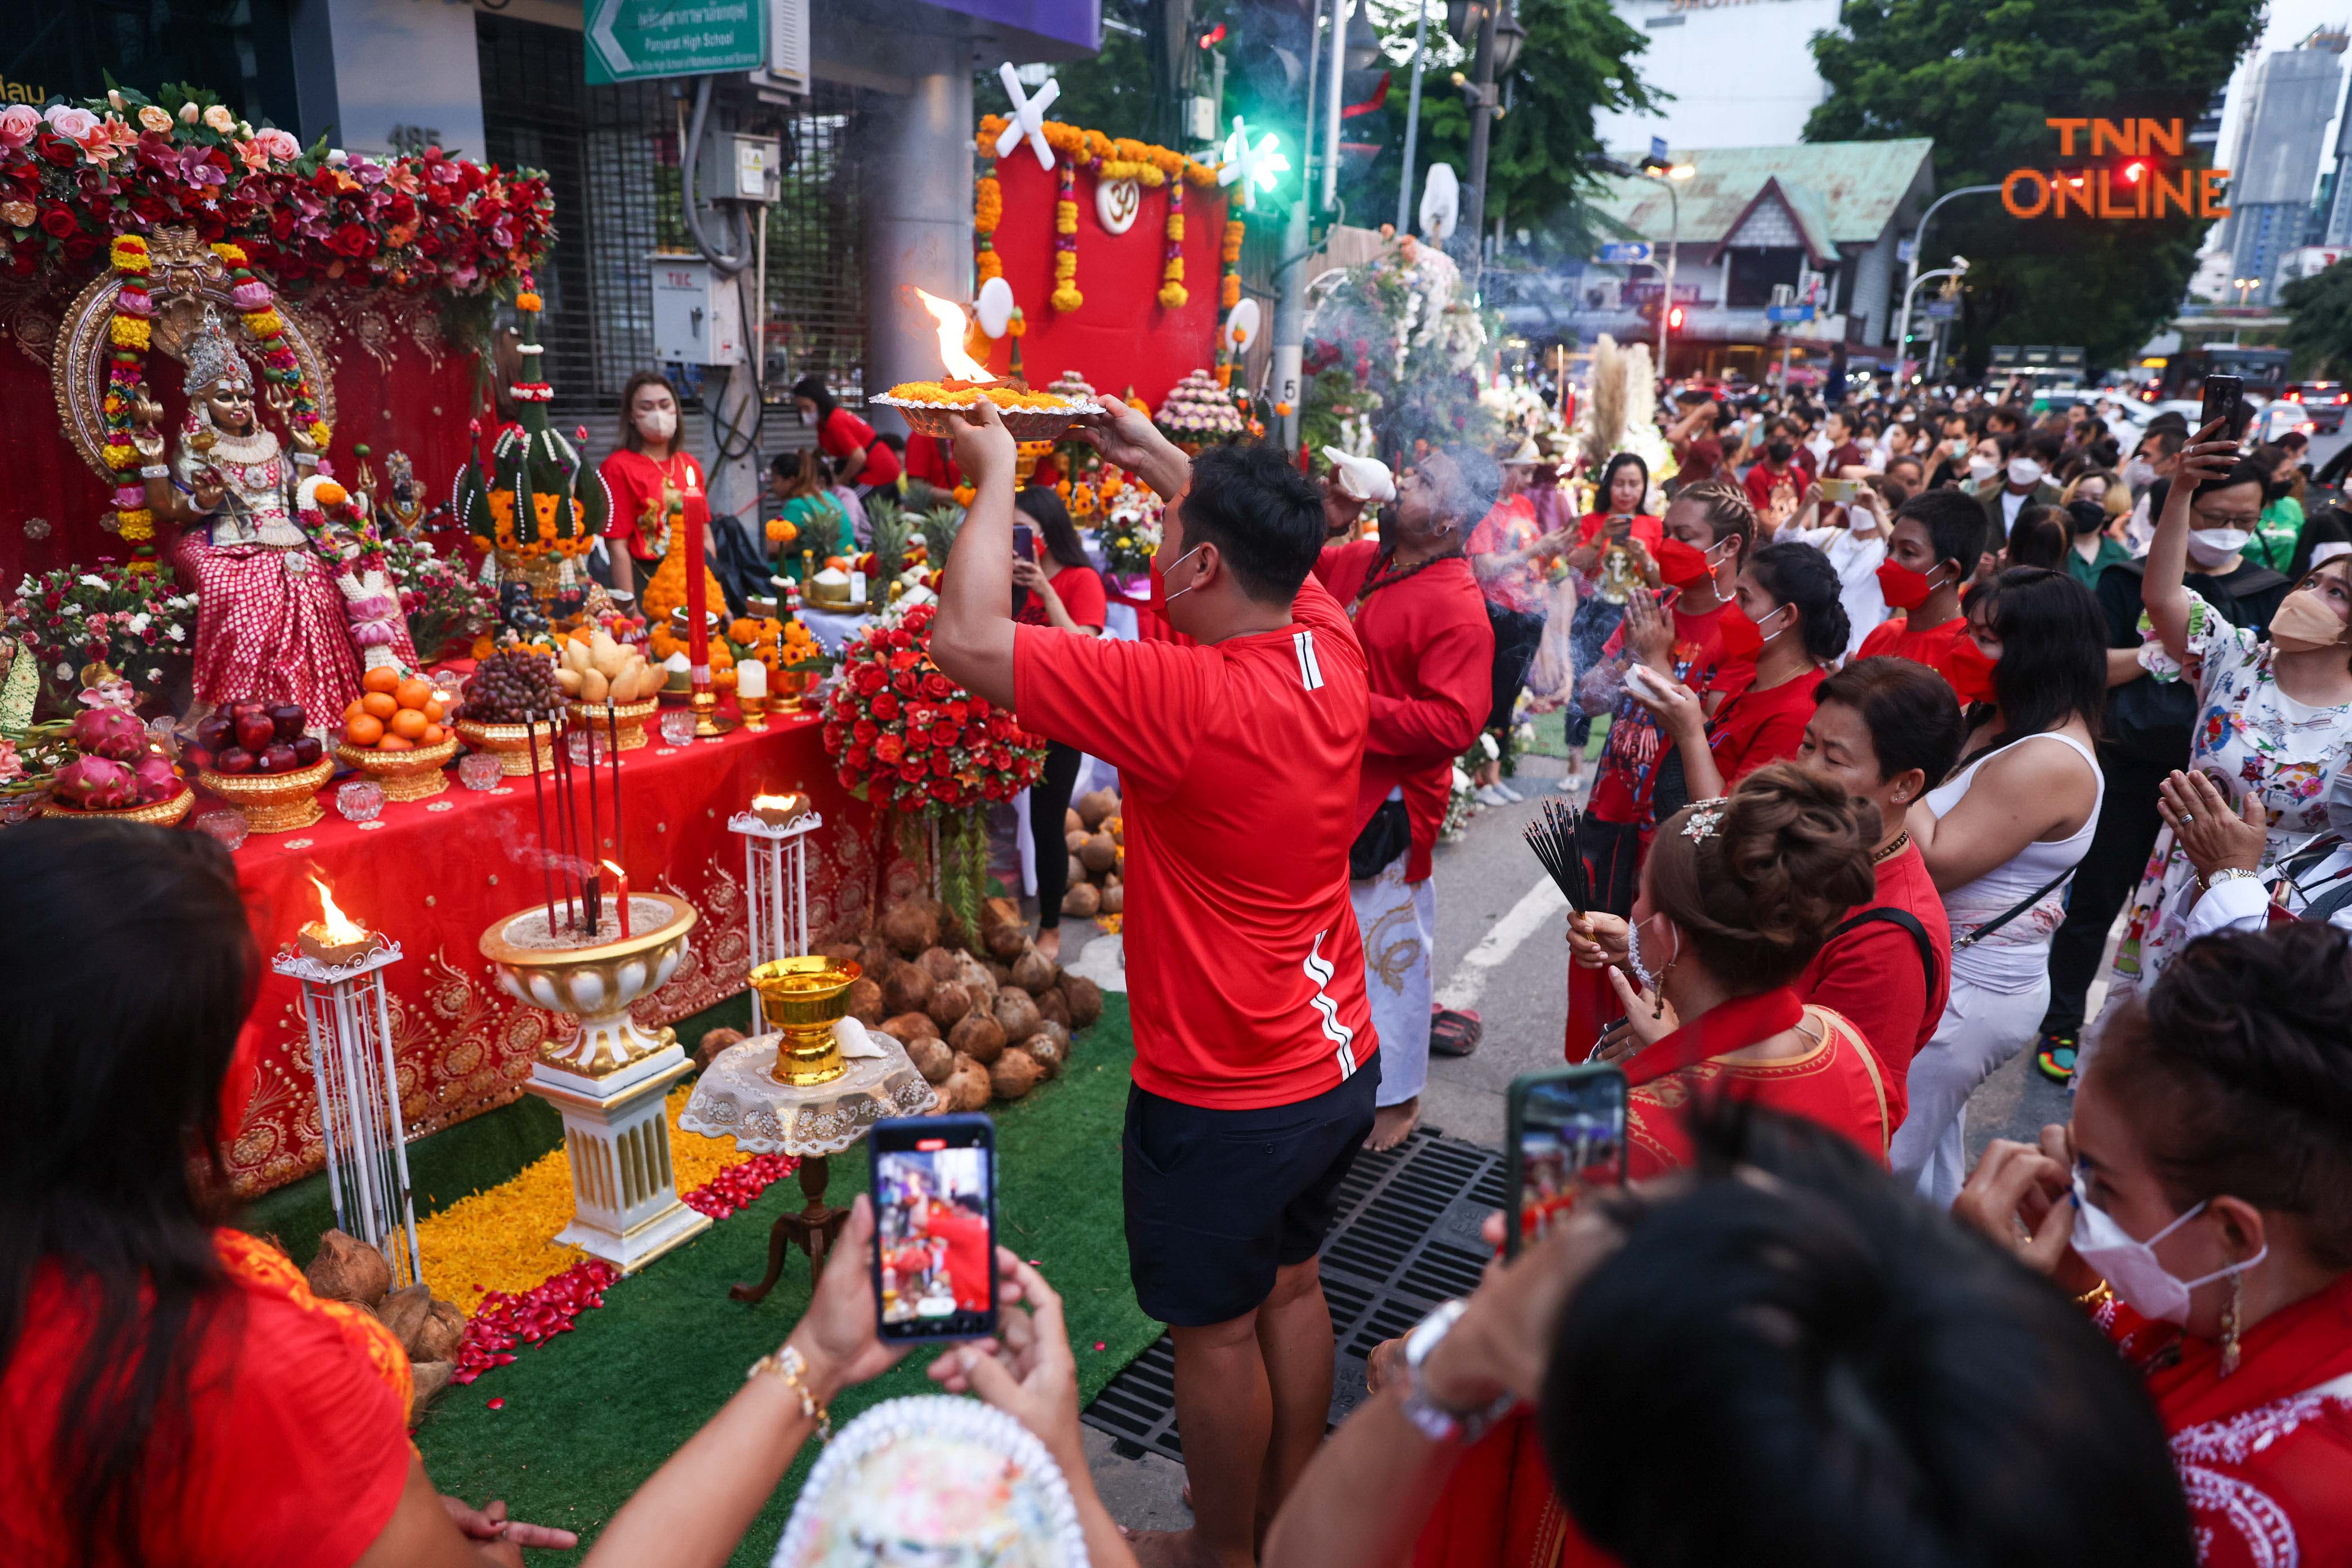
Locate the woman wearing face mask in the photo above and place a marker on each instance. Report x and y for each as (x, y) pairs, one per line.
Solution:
(2000, 838)
(2273, 714)
(1617, 517)
(864, 463)
(1793, 626)
(2199, 1207)
(2274, 535)
(2096, 506)
(648, 466)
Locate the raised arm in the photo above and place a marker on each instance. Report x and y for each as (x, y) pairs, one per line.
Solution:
(971, 640)
(2162, 592)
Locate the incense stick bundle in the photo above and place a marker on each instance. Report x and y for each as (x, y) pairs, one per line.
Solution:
(1552, 835)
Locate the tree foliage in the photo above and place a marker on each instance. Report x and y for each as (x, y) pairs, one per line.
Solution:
(1981, 78)
(2320, 333)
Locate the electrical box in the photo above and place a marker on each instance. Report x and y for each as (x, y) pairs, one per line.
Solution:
(698, 313)
(741, 168)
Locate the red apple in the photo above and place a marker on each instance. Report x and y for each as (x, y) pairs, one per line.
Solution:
(308, 749)
(216, 733)
(245, 705)
(255, 732)
(288, 719)
(236, 760)
(278, 759)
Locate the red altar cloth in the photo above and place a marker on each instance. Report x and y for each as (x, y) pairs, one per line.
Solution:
(433, 874)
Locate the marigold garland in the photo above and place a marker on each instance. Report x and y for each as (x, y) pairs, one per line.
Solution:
(258, 311)
(1229, 257)
(1065, 296)
(1088, 148)
(1172, 293)
(131, 332)
(987, 211)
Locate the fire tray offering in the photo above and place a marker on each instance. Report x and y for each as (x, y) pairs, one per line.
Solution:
(1030, 416)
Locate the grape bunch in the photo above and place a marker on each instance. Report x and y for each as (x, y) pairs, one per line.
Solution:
(512, 688)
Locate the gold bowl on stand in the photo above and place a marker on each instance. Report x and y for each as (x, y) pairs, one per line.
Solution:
(413, 774)
(804, 998)
(273, 803)
(516, 746)
(596, 981)
(628, 718)
(165, 812)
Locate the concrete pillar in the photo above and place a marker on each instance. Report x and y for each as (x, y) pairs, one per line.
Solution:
(917, 188)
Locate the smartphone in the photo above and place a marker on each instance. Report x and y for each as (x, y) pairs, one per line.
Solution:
(1644, 681)
(1024, 541)
(1840, 492)
(934, 1193)
(2225, 399)
(1565, 1132)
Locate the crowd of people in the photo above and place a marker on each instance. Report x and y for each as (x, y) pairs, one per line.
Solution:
(1872, 720)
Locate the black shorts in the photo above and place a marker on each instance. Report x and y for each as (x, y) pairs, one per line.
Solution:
(1218, 1200)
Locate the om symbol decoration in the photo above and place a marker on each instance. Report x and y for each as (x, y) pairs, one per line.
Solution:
(1116, 204)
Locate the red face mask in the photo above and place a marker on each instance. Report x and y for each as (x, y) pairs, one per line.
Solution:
(1742, 639)
(1682, 565)
(1903, 588)
(1972, 672)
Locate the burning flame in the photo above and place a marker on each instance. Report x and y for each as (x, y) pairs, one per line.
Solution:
(772, 803)
(950, 316)
(338, 925)
(613, 869)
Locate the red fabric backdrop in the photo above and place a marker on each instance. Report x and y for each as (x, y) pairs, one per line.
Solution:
(398, 385)
(432, 874)
(1121, 335)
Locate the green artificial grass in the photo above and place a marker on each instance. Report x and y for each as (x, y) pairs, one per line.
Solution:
(589, 1416)
(457, 1161)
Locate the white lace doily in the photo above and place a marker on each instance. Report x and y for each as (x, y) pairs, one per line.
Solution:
(740, 1098)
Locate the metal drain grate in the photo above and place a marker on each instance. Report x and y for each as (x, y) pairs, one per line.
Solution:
(1406, 1238)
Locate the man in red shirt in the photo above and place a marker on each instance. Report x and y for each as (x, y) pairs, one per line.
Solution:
(1429, 644)
(1697, 447)
(1239, 748)
(1844, 451)
(1931, 553)
(1776, 484)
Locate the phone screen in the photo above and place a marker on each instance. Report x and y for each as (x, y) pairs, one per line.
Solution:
(2225, 398)
(935, 1214)
(1839, 493)
(1024, 542)
(1567, 1133)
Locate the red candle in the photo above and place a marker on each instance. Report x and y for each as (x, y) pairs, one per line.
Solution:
(698, 605)
(621, 896)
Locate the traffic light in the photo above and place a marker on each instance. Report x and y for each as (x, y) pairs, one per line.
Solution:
(1675, 320)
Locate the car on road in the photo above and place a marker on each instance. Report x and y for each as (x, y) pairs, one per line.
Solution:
(2279, 416)
(2324, 401)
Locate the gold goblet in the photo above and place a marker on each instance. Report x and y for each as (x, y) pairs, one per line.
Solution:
(804, 998)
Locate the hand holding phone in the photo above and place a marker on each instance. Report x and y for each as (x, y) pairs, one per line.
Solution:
(2225, 399)
(1565, 1131)
(1024, 541)
(934, 1187)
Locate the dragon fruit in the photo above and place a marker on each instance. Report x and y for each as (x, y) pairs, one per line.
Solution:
(97, 784)
(108, 732)
(156, 779)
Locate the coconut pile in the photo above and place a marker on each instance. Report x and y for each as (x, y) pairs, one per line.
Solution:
(1096, 840)
(429, 1330)
(977, 1028)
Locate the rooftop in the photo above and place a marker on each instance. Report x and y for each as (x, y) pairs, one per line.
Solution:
(1844, 193)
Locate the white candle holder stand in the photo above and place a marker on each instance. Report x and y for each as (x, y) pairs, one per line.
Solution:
(775, 860)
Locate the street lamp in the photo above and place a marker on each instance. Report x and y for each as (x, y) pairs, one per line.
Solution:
(1956, 271)
(1918, 240)
(1497, 47)
(1668, 175)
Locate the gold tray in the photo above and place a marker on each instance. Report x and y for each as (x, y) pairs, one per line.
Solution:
(629, 719)
(516, 746)
(273, 803)
(413, 774)
(160, 812)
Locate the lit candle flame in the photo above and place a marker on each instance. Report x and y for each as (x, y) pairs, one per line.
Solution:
(338, 925)
(774, 802)
(950, 316)
(613, 869)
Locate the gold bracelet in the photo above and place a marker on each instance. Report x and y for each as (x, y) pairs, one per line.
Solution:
(2094, 1298)
(789, 1365)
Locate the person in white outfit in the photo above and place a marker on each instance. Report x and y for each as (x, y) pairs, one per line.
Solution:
(1855, 539)
(2000, 839)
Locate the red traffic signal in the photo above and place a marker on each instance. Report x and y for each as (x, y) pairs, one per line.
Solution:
(1675, 320)
(1214, 37)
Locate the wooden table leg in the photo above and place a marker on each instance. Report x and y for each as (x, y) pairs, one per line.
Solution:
(813, 1230)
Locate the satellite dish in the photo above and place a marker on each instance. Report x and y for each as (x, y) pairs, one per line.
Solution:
(1240, 325)
(1441, 203)
(994, 307)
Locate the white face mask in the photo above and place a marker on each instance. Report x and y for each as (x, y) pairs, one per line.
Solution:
(2132, 1270)
(1642, 971)
(657, 424)
(1187, 587)
(2023, 471)
(1982, 467)
(1768, 637)
(2213, 546)
(2139, 473)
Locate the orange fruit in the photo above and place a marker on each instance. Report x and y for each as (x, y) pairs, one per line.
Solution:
(364, 731)
(433, 711)
(394, 743)
(434, 735)
(354, 711)
(380, 704)
(408, 723)
(413, 693)
(384, 678)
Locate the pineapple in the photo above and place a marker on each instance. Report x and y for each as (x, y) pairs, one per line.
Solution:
(890, 529)
(939, 525)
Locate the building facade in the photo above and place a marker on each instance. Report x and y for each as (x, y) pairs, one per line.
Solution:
(2275, 162)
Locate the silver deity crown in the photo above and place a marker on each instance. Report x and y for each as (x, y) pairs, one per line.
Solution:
(212, 358)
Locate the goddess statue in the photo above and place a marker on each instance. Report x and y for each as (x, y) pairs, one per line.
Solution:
(293, 598)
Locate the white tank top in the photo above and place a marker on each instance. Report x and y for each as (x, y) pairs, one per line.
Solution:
(2017, 956)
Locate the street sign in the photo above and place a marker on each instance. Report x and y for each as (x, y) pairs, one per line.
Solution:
(1778, 315)
(637, 40)
(1941, 310)
(1658, 148)
(1905, 249)
(1623, 251)
(1649, 290)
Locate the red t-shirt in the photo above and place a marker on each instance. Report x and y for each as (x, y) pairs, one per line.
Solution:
(1762, 483)
(635, 482)
(1873, 974)
(1629, 760)
(299, 1448)
(1081, 592)
(1930, 645)
(1646, 529)
(1430, 651)
(1840, 458)
(966, 1235)
(1755, 727)
(930, 459)
(843, 432)
(1239, 760)
(1700, 459)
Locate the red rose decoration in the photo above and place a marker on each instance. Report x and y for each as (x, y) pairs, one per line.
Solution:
(856, 756)
(351, 241)
(885, 707)
(911, 773)
(940, 766)
(907, 683)
(866, 730)
(868, 679)
(59, 221)
(938, 687)
(890, 749)
(944, 733)
(901, 728)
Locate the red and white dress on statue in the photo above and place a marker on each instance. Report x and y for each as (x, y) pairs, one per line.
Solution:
(274, 609)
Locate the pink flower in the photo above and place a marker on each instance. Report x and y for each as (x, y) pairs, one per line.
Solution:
(219, 118)
(73, 124)
(252, 154)
(276, 143)
(18, 123)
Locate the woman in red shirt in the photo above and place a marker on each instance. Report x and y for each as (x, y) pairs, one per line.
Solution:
(1057, 586)
(1624, 489)
(650, 458)
(866, 464)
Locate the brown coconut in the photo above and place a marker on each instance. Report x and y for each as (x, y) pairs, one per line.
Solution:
(999, 973)
(1111, 900)
(713, 1042)
(1084, 899)
(866, 1001)
(1053, 1007)
(428, 1378)
(909, 927)
(950, 1002)
(1016, 1014)
(1085, 998)
(1048, 1053)
(1071, 821)
(1004, 942)
(905, 989)
(905, 1026)
(1099, 854)
(978, 1036)
(966, 1087)
(974, 977)
(1094, 806)
(938, 962)
(443, 1332)
(1033, 971)
(1077, 872)
(1075, 842)
(875, 958)
(406, 1312)
(1013, 1074)
(931, 1058)
(349, 1269)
